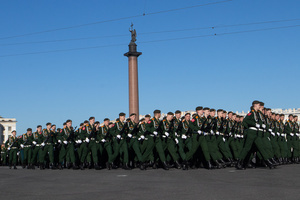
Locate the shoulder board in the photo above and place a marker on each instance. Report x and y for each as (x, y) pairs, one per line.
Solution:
(196, 116)
(183, 120)
(153, 118)
(44, 129)
(24, 134)
(102, 126)
(164, 120)
(216, 117)
(117, 121)
(128, 120)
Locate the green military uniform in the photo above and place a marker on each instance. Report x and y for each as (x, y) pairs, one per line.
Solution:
(46, 140)
(132, 139)
(184, 139)
(3, 155)
(296, 142)
(239, 137)
(168, 139)
(252, 124)
(91, 147)
(26, 143)
(282, 140)
(265, 135)
(119, 133)
(146, 142)
(152, 127)
(36, 147)
(66, 140)
(198, 139)
(230, 133)
(12, 145)
(105, 137)
(220, 128)
(289, 131)
(273, 127)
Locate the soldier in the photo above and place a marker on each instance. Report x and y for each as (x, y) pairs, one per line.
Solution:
(26, 145)
(81, 141)
(185, 139)
(55, 144)
(36, 146)
(133, 146)
(289, 131)
(281, 137)
(90, 133)
(66, 141)
(296, 144)
(105, 138)
(119, 141)
(253, 125)
(168, 138)
(153, 128)
(198, 139)
(12, 145)
(3, 155)
(46, 140)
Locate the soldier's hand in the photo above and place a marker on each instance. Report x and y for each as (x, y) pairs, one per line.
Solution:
(22, 146)
(59, 141)
(199, 132)
(8, 148)
(79, 141)
(65, 142)
(34, 142)
(183, 137)
(87, 140)
(257, 125)
(129, 135)
(155, 133)
(167, 134)
(263, 126)
(176, 140)
(43, 144)
(142, 137)
(119, 136)
(103, 140)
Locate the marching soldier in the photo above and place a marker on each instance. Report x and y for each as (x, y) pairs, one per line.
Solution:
(120, 148)
(36, 146)
(289, 131)
(26, 145)
(12, 145)
(3, 155)
(105, 138)
(66, 141)
(296, 144)
(46, 140)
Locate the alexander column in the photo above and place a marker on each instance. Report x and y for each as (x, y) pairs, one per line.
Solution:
(132, 55)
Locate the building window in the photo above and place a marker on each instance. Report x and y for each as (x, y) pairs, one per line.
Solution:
(9, 129)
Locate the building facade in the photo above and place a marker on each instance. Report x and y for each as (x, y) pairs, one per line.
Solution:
(7, 125)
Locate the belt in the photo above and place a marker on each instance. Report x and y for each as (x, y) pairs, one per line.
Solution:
(27, 146)
(48, 143)
(13, 147)
(92, 138)
(282, 134)
(255, 129)
(37, 145)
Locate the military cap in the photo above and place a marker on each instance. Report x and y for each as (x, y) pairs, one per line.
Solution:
(91, 118)
(199, 108)
(295, 116)
(29, 129)
(64, 123)
(255, 102)
(38, 126)
(122, 114)
(261, 103)
(86, 121)
(291, 115)
(156, 111)
(170, 113)
(81, 124)
(110, 123)
(53, 125)
(106, 119)
(68, 121)
(212, 110)
(187, 114)
(48, 124)
(234, 114)
(230, 112)
(206, 108)
(147, 116)
(132, 114)
(97, 122)
(177, 112)
(281, 115)
(14, 131)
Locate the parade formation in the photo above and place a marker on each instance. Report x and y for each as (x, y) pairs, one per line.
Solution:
(211, 139)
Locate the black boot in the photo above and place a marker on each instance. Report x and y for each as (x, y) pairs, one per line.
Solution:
(126, 166)
(154, 166)
(108, 166)
(275, 163)
(23, 166)
(52, 166)
(75, 167)
(60, 167)
(97, 167)
(218, 165)
(10, 166)
(239, 165)
(223, 163)
(32, 166)
(142, 166)
(269, 164)
(15, 167)
(113, 166)
(185, 165)
(90, 165)
(42, 167)
(177, 165)
(209, 165)
(165, 166)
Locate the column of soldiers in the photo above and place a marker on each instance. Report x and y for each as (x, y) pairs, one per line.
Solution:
(210, 138)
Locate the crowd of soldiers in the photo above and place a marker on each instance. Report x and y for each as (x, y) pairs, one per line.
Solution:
(210, 138)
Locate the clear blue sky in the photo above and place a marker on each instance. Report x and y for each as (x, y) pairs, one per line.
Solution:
(226, 71)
